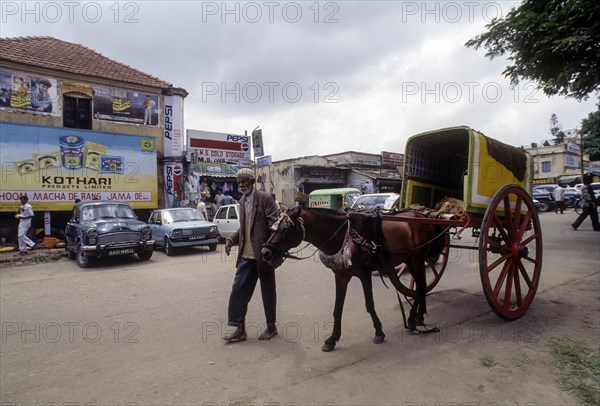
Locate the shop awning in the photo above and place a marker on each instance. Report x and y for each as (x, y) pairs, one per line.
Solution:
(569, 178)
(214, 170)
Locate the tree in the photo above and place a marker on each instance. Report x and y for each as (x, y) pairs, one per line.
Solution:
(590, 129)
(558, 136)
(555, 43)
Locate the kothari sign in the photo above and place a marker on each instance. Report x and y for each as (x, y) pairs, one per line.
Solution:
(55, 166)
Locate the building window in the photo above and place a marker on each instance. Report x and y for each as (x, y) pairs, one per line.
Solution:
(546, 166)
(77, 112)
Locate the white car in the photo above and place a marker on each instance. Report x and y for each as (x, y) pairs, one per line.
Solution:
(227, 219)
(383, 201)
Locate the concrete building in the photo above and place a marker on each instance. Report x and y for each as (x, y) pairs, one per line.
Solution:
(75, 124)
(293, 179)
(561, 162)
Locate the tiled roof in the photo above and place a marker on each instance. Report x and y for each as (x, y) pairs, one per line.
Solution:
(52, 53)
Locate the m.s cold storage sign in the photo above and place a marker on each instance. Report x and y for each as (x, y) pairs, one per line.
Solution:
(219, 147)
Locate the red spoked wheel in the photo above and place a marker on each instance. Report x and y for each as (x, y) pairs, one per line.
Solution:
(510, 252)
(434, 268)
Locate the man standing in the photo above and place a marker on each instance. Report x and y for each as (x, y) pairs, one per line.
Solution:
(148, 104)
(559, 198)
(24, 214)
(257, 214)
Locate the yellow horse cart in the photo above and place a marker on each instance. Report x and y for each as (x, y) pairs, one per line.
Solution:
(493, 180)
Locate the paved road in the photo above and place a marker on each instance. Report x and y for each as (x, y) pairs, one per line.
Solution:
(150, 333)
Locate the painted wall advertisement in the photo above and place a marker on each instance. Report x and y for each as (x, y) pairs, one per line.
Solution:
(125, 106)
(210, 147)
(55, 166)
(31, 93)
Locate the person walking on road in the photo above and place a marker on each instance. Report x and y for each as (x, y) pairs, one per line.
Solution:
(588, 204)
(559, 198)
(257, 214)
(25, 214)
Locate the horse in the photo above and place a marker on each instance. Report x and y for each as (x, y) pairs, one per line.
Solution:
(356, 244)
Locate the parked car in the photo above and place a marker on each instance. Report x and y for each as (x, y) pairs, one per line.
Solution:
(544, 195)
(182, 227)
(227, 219)
(571, 196)
(101, 228)
(383, 201)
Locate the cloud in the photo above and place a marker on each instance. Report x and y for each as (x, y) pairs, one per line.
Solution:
(318, 77)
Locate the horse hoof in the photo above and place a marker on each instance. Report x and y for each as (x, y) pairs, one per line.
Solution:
(378, 339)
(328, 347)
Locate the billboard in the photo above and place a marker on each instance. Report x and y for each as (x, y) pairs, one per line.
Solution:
(54, 166)
(213, 147)
(29, 93)
(124, 106)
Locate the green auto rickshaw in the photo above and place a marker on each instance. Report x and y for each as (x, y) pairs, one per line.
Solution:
(337, 198)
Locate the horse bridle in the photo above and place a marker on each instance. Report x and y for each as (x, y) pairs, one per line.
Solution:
(285, 250)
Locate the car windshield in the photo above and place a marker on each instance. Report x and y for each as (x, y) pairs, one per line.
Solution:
(107, 211)
(381, 201)
(174, 216)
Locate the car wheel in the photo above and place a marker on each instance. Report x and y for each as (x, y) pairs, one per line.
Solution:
(544, 206)
(145, 255)
(212, 247)
(83, 259)
(169, 249)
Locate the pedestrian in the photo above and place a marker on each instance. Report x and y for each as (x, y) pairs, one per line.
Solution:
(202, 208)
(218, 199)
(559, 199)
(257, 214)
(25, 214)
(588, 204)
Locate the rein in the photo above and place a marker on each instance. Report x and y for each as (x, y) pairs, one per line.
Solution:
(292, 256)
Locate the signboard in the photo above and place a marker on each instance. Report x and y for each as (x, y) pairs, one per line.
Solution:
(392, 159)
(30, 93)
(263, 161)
(212, 147)
(257, 143)
(173, 184)
(574, 148)
(54, 166)
(124, 106)
(173, 132)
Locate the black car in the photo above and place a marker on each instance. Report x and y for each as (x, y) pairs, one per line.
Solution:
(545, 196)
(100, 228)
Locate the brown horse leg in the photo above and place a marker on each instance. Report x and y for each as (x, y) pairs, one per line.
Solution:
(367, 285)
(341, 287)
(417, 269)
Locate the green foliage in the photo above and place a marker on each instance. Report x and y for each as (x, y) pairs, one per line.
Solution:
(590, 128)
(579, 369)
(555, 43)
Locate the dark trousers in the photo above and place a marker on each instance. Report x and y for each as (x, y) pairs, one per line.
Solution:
(588, 211)
(560, 205)
(246, 276)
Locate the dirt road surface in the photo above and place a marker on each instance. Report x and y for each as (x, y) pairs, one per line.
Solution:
(150, 333)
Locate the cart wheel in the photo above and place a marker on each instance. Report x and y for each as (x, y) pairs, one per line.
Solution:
(510, 252)
(434, 268)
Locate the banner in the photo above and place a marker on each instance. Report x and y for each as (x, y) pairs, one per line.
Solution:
(173, 184)
(125, 106)
(54, 166)
(173, 135)
(29, 93)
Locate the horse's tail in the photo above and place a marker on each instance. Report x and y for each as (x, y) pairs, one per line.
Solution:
(438, 244)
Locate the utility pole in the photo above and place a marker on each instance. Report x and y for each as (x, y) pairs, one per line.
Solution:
(580, 151)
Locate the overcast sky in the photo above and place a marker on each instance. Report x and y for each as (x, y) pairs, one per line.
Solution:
(317, 77)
